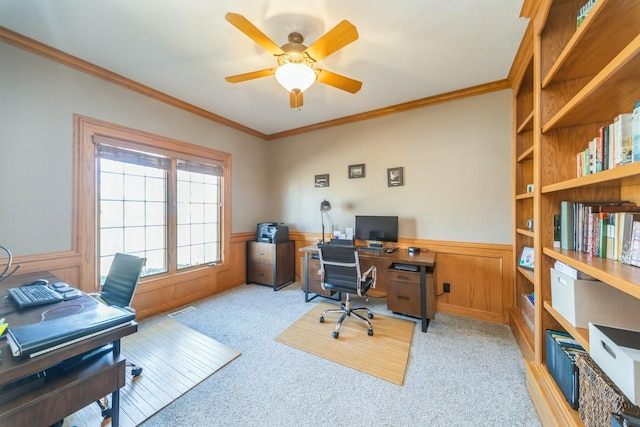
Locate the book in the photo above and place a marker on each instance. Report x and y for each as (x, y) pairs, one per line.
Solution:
(622, 139)
(634, 256)
(604, 136)
(567, 239)
(626, 235)
(583, 12)
(556, 231)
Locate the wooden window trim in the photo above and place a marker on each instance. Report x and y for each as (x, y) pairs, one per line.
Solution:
(85, 193)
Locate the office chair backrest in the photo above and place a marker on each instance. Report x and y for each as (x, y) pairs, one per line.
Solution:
(341, 266)
(122, 280)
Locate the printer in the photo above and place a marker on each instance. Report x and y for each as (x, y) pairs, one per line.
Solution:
(272, 232)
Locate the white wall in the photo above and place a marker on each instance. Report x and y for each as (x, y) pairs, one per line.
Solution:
(456, 158)
(457, 172)
(38, 98)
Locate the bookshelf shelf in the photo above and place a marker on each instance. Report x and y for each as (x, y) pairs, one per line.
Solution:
(612, 91)
(528, 274)
(580, 334)
(607, 178)
(616, 274)
(524, 196)
(527, 124)
(524, 232)
(526, 155)
(584, 55)
(578, 80)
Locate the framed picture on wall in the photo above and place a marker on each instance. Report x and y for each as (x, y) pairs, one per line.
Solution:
(322, 180)
(356, 171)
(395, 177)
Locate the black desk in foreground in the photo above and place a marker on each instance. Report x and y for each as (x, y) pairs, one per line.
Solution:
(425, 261)
(61, 395)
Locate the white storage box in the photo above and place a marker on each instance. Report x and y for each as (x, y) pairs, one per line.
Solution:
(617, 352)
(584, 301)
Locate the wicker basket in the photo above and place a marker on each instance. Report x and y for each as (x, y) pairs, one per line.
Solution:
(599, 396)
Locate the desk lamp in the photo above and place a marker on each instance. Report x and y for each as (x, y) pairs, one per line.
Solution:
(324, 207)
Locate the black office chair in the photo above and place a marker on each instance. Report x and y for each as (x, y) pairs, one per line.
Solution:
(118, 289)
(340, 272)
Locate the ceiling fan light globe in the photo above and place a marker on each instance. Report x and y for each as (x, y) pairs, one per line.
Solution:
(295, 76)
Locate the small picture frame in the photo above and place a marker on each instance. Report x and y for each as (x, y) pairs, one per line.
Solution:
(395, 177)
(322, 180)
(356, 171)
(526, 258)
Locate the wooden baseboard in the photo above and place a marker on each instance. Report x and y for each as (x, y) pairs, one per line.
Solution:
(548, 400)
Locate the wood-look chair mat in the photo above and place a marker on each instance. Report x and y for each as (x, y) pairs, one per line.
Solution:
(174, 358)
(383, 355)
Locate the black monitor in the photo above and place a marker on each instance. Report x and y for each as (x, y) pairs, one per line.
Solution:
(378, 228)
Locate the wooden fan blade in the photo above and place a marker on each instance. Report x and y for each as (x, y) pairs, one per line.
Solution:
(336, 38)
(338, 81)
(243, 24)
(250, 76)
(295, 98)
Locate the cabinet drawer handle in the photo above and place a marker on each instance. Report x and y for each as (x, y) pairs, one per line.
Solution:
(403, 277)
(259, 273)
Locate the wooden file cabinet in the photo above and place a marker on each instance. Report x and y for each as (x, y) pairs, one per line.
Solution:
(403, 292)
(271, 264)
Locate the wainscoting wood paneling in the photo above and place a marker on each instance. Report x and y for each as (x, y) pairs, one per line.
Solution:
(155, 296)
(480, 276)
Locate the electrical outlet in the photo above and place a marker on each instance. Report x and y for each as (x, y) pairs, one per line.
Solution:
(446, 287)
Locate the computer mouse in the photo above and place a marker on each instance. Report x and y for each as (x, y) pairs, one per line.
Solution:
(36, 282)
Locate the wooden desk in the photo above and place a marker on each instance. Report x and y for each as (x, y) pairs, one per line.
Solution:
(63, 395)
(424, 260)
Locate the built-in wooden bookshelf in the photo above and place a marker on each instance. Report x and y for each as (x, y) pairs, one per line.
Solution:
(524, 197)
(580, 80)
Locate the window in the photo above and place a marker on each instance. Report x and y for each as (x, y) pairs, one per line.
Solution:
(157, 204)
(198, 219)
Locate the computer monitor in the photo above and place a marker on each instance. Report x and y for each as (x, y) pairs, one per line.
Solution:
(377, 228)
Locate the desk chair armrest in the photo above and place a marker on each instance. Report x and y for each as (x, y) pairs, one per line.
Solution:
(373, 271)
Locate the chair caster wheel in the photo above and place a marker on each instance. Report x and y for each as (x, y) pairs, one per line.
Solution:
(336, 334)
(321, 319)
(370, 315)
(370, 332)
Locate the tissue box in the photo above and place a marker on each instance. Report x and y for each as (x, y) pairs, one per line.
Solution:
(617, 352)
(584, 301)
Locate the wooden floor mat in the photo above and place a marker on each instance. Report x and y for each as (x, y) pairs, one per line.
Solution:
(174, 359)
(384, 355)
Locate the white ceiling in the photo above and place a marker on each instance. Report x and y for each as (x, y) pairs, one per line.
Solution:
(407, 49)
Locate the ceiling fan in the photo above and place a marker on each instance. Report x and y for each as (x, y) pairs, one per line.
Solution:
(296, 69)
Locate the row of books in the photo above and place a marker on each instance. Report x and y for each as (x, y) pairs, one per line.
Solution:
(583, 12)
(615, 145)
(603, 229)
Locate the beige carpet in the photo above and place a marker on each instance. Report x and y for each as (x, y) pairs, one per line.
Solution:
(383, 355)
(174, 359)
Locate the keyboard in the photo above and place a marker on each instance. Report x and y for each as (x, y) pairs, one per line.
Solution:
(370, 249)
(405, 267)
(29, 296)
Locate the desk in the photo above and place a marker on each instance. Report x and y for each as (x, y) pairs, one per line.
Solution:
(424, 260)
(65, 394)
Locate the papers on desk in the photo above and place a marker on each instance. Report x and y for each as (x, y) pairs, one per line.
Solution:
(43, 337)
